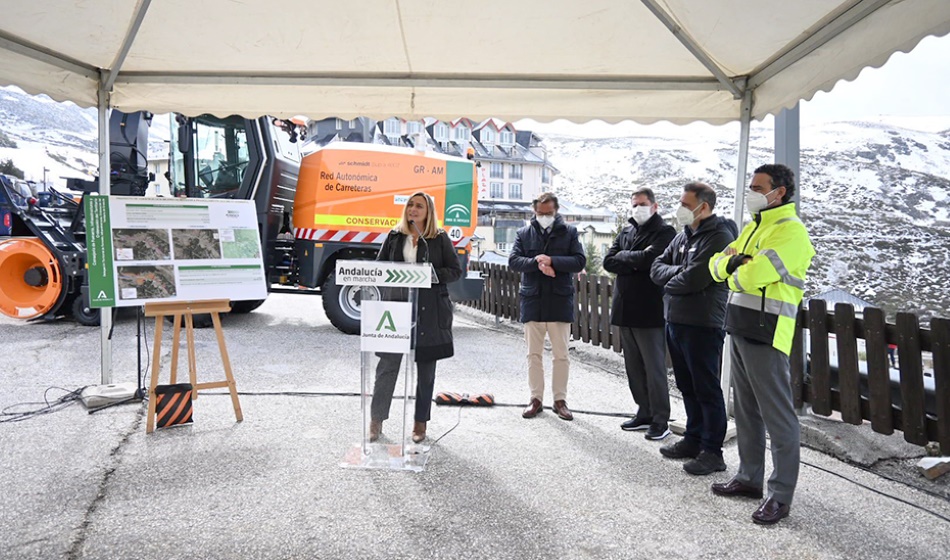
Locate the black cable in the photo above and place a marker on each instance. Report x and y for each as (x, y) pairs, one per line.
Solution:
(148, 362)
(458, 420)
(46, 407)
(880, 493)
(898, 481)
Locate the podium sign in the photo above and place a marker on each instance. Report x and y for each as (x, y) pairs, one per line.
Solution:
(385, 326)
(383, 273)
(387, 333)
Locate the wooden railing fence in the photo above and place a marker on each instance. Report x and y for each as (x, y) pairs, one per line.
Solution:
(860, 389)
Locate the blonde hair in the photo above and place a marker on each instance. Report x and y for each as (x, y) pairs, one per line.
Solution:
(431, 228)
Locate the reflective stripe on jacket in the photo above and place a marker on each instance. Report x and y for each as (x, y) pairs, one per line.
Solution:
(766, 291)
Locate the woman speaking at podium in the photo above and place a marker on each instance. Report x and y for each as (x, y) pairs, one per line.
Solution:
(418, 239)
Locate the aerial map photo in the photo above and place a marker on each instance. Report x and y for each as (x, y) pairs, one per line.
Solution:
(141, 245)
(146, 282)
(196, 244)
(240, 244)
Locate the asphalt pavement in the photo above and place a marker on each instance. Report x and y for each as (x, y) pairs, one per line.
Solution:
(80, 485)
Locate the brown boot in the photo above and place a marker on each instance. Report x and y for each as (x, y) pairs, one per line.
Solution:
(375, 429)
(418, 432)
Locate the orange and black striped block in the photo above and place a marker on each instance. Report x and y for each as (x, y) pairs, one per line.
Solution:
(485, 399)
(448, 398)
(173, 404)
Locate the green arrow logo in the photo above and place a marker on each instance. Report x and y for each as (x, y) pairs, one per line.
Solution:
(386, 322)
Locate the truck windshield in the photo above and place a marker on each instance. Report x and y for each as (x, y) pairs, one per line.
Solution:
(220, 157)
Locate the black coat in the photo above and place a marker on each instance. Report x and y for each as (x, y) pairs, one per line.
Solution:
(434, 309)
(637, 301)
(692, 297)
(545, 298)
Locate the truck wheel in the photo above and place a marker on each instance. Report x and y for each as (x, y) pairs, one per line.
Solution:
(246, 306)
(342, 304)
(85, 315)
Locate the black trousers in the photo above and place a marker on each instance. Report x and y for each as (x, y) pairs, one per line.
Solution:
(387, 372)
(696, 353)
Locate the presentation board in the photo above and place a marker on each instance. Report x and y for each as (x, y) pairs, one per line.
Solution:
(142, 250)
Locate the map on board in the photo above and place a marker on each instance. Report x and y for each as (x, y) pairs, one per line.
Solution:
(240, 244)
(141, 244)
(195, 244)
(146, 282)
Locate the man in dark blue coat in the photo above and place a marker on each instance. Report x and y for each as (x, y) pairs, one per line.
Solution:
(637, 309)
(695, 319)
(547, 253)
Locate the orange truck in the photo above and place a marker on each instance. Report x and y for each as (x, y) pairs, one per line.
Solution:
(350, 195)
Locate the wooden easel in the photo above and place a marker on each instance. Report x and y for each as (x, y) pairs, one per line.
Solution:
(188, 309)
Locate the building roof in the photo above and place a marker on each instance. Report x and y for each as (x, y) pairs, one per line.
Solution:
(838, 295)
(569, 208)
(492, 257)
(602, 228)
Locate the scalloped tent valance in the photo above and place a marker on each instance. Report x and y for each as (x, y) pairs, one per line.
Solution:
(676, 60)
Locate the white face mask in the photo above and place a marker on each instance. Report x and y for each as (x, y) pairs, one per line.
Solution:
(642, 213)
(756, 202)
(545, 221)
(685, 216)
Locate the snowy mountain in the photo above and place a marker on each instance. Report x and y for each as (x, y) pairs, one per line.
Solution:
(60, 137)
(875, 194)
(37, 132)
(874, 197)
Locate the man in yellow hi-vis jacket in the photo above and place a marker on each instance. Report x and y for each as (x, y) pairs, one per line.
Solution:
(765, 270)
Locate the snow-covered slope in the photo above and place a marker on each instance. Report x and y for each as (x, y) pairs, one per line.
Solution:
(58, 136)
(874, 197)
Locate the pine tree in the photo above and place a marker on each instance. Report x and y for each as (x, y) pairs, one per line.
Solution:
(6, 141)
(8, 168)
(594, 258)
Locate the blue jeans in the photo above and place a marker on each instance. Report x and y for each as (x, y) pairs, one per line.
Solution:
(696, 353)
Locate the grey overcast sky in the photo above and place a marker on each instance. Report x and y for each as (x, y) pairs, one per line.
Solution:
(911, 88)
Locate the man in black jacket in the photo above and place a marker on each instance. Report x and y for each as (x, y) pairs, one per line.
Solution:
(695, 316)
(638, 310)
(547, 253)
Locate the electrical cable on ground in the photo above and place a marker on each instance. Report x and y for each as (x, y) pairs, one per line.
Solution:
(458, 420)
(45, 407)
(879, 492)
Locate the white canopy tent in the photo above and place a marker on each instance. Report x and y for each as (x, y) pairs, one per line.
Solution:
(646, 60)
(678, 60)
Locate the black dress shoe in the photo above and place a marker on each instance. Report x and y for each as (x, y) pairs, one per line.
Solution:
(770, 512)
(736, 488)
(533, 409)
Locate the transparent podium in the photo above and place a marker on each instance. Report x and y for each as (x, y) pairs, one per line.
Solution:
(388, 292)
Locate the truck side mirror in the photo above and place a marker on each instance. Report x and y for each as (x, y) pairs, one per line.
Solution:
(184, 136)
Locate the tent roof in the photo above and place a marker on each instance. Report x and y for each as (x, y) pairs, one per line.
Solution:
(678, 60)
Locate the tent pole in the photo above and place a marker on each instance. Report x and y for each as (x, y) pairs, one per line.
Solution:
(737, 214)
(743, 162)
(105, 313)
(788, 146)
